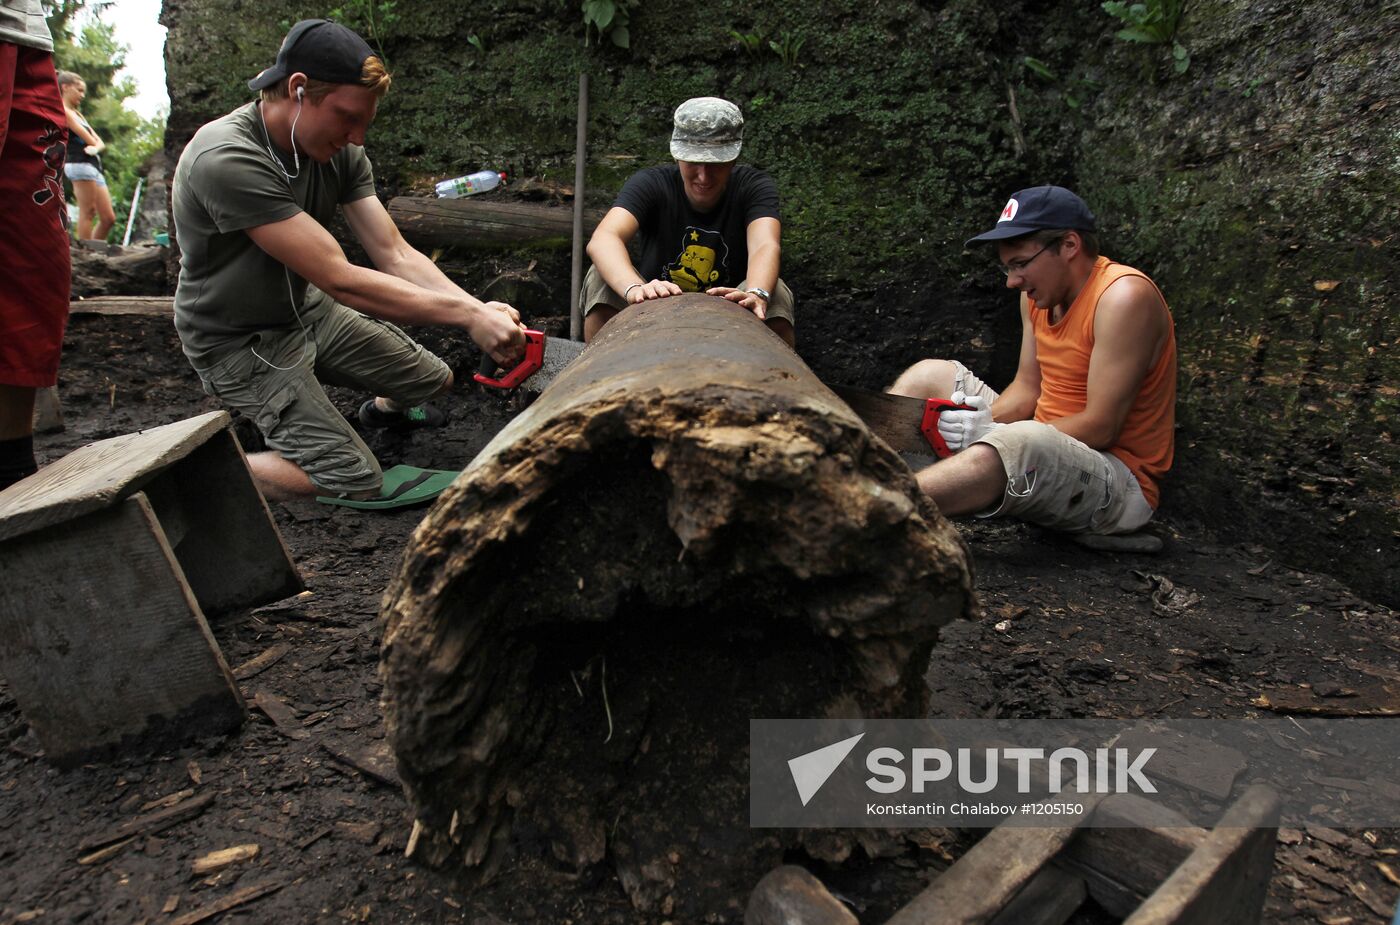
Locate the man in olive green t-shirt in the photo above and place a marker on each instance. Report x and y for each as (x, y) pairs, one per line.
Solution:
(268, 307)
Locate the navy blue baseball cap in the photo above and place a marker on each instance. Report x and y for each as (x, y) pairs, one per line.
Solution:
(1038, 209)
(320, 49)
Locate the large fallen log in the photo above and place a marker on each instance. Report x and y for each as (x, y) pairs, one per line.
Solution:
(481, 223)
(685, 531)
(110, 269)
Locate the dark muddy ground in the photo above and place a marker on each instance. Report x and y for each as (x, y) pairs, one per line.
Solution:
(1066, 632)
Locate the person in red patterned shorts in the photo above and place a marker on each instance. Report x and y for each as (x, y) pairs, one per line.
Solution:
(33, 229)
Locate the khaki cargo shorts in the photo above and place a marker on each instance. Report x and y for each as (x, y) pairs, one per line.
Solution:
(595, 292)
(276, 381)
(1057, 481)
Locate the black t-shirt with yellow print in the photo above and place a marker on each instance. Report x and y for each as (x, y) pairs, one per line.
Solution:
(696, 250)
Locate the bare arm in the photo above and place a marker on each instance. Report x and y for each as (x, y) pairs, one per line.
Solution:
(608, 251)
(307, 249)
(1130, 330)
(76, 126)
(764, 237)
(386, 246)
(1017, 402)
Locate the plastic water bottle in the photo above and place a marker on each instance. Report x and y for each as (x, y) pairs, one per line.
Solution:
(471, 184)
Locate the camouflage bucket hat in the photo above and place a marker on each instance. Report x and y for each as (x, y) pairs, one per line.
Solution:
(708, 130)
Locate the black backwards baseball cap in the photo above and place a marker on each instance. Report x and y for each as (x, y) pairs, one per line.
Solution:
(320, 49)
(1038, 209)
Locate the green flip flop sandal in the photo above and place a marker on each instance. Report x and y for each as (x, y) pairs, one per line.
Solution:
(404, 486)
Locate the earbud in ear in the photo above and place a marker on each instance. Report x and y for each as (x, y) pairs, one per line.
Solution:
(301, 91)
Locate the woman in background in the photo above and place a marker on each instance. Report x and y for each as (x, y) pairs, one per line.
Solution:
(83, 166)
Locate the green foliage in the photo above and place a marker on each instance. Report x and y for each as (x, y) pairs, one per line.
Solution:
(61, 14)
(475, 41)
(750, 42)
(371, 18)
(787, 46)
(609, 18)
(1153, 22)
(97, 56)
(1072, 89)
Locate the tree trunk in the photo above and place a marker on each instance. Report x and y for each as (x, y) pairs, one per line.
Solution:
(484, 223)
(684, 531)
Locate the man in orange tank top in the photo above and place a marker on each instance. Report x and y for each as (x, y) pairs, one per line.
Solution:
(1080, 438)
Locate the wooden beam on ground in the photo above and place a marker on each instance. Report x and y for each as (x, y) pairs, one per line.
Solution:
(476, 223)
(1132, 846)
(984, 881)
(156, 306)
(1225, 879)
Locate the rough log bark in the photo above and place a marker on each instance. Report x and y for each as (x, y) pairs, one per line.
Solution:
(484, 223)
(684, 531)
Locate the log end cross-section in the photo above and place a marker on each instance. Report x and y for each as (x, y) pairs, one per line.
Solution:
(685, 531)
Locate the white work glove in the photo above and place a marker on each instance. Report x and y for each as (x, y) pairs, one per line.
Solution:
(961, 429)
(91, 150)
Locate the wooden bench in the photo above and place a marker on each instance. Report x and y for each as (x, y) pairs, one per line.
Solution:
(109, 560)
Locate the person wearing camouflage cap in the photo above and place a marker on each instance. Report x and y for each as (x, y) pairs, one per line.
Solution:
(705, 225)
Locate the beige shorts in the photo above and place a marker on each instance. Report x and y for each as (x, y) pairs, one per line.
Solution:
(595, 292)
(1057, 481)
(276, 381)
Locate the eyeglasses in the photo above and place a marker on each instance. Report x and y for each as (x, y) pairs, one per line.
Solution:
(1019, 266)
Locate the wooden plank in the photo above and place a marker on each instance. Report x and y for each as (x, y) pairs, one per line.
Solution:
(100, 648)
(1224, 880)
(94, 476)
(229, 547)
(1049, 899)
(986, 879)
(1132, 846)
(157, 306)
(485, 223)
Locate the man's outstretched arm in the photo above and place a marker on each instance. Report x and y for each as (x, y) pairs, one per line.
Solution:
(608, 251)
(764, 240)
(307, 249)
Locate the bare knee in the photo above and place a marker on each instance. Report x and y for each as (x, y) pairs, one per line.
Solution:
(593, 322)
(927, 379)
(783, 328)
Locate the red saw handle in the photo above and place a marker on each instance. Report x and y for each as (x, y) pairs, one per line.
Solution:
(527, 367)
(933, 407)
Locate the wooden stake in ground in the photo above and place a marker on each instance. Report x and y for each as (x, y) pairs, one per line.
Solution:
(686, 530)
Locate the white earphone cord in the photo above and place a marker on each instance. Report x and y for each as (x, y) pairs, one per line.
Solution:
(287, 274)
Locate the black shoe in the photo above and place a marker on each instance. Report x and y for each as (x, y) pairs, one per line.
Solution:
(409, 419)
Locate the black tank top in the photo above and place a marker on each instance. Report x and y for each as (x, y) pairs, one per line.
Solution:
(76, 154)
